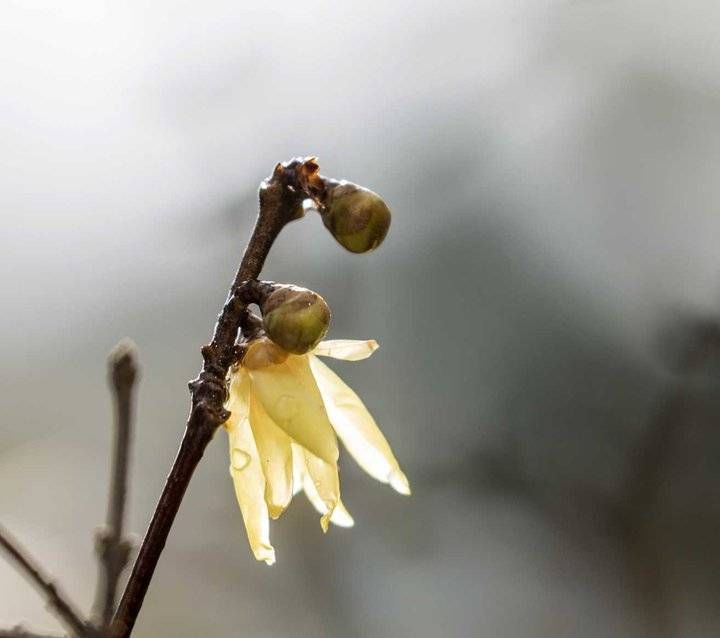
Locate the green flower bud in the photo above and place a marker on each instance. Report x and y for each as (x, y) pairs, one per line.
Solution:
(295, 318)
(358, 218)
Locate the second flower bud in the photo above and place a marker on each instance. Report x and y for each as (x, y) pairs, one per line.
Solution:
(295, 318)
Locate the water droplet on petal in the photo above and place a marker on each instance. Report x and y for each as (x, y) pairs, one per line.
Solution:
(240, 459)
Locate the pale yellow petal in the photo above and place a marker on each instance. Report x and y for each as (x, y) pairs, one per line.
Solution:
(249, 483)
(303, 481)
(290, 397)
(275, 453)
(324, 477)
(357, 429)
(346, 349)
(341, 517)
(238, 402)
(299, 469)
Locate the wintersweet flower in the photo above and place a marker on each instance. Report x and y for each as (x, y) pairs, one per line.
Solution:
(286, 410)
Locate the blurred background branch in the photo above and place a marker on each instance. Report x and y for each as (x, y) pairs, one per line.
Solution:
(58, 602)
(112, 546)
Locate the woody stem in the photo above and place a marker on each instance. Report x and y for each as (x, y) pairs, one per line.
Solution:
(281, 197)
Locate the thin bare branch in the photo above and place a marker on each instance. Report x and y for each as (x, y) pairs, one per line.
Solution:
(112, 548)
(58, 602)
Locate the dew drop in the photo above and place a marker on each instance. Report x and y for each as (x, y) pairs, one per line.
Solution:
(240, 459)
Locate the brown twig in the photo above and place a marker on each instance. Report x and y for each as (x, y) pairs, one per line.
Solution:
(58, 602)
(281, 197)
(112, 548)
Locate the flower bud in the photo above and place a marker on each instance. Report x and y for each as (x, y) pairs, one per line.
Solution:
(357, 217)
(295, 318)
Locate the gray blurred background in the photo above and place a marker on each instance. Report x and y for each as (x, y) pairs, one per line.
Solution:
(546, 303)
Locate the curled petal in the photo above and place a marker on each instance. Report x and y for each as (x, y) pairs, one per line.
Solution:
(321, 485)
(357, 429)
(288, 393)
(249, 483)
(275, 454)
(346, 349)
